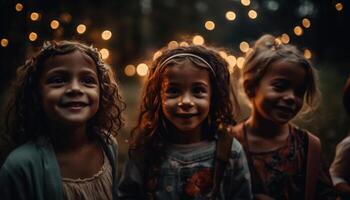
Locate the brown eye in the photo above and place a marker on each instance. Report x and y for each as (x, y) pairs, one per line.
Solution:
(88, 80)
(56, 80)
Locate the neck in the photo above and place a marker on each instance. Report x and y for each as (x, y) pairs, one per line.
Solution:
(186, 137)
(65, 138)
(262, 127)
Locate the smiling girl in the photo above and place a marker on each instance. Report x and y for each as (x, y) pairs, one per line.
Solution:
(65, 108)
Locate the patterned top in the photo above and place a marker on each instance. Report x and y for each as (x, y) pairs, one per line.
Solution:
(280, 173)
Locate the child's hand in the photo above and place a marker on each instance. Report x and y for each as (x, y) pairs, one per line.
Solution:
(262, 197)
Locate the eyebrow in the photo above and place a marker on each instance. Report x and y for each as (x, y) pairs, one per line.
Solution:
(64, 70)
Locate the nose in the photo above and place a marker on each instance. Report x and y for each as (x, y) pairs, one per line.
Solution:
(290, 97)
(74, 88)
(186, 101)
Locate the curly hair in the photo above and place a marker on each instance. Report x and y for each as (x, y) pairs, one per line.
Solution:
(25, 115)
(267, 50)
(148, 135)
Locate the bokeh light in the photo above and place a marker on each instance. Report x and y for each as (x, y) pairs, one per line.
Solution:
(34, 16)
(104, 53)
(244, 46)
(240, 62)
(252, 14)
(306, 23)
(81, 28)
(184, 44)
(209, 25)
(4, 42)
(156, 55)
(298, 31)
(130, 70)
(245, 2)
(33, 36)
(339, 6)
(142, 69)
(106, 35)
(198, 40)
(54, 24)
(173, 44)
(230, 15)
(223, 54)
(19, 7)
(307, 54)
(285, 38)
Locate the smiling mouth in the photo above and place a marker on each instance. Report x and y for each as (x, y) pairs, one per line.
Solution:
(185, 115)
(74, 105)
(286, 110)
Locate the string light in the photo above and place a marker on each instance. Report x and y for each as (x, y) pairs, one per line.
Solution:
(252, 14)
(306, 23)
(184, 44)
(142, 69)
(173, 44)
(104, 53)
(245, 2)
(339, 6)
(244, 46)
(106, 35)
(285, 38)
(156, 55)
(81, 28)
(307, 54)
(34, 16)
(54, 24)
(130, 70)
(19, 7)
(198, 40)
(209, 25)
(240, 62)
(232, 61)
(223, 54)
(298, 31)
(33, 36)
(230, 15)
(4, 42)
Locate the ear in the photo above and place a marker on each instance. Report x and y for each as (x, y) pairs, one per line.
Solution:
(249, 88)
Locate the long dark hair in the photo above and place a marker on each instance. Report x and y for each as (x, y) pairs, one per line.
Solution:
(25, 116)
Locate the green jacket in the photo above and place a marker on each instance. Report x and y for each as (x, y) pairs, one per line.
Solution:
(31, 171)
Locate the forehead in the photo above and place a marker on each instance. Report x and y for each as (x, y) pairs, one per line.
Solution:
(286, 70)
(185, 70)
(72, 60)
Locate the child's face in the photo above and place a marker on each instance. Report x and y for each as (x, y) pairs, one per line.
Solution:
(280, 93)
(186, 94)
(70, 88)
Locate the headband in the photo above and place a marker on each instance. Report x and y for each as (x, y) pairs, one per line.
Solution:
(189, 55)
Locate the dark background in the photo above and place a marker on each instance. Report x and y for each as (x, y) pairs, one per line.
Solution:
(140, 27)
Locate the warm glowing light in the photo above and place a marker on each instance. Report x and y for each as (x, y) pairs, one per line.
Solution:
(307, 54)
(33, 36)
(223, 54)
(19, 7)
(230, 15)
(285, 38)
(54, 24)
(142, 69)
(156, 55)
(198, 40)
(209, 25)
(106, 35)
(339, 6)
(81, 28)
(252, 14)
(104, 53)
(240, 62)
(306, 23)
(245, 2)
(4, 42)
(244, 46)
(173, 44)
(34, 16)
(130, 70)
(298, 31)
(232, 60)
(184, 44)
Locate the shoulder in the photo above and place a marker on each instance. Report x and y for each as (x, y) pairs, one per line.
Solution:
(238, 132)
(24, 156)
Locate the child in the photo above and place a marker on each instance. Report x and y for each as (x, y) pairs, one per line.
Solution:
(340, 167)
(176, 150)
(283, 159)
(64, 111)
